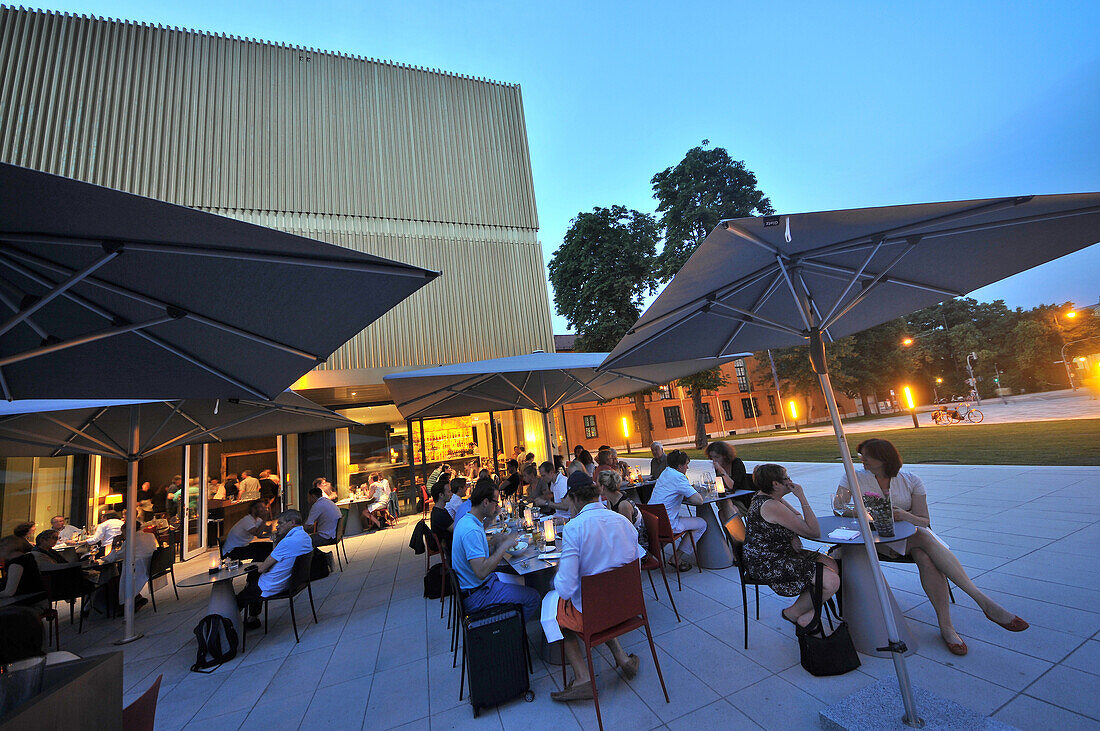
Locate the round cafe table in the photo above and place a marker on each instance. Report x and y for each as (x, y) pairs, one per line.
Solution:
(862, 611)
(713, 550)
(223, 600)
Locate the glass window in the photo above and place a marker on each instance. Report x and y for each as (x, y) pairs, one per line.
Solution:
(33, 490)
(666, 392)
(727, 412)
(742, 375)
(590, 429)
(705, 409)
(771, 405)
(673, 417)
(750, 407)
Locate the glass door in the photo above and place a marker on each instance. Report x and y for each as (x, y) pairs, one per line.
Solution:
(192, 502)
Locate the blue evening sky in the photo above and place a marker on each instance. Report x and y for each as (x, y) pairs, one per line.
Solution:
(832, 105)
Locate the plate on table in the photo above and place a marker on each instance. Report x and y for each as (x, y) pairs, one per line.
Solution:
(550, 555)
(518, 548)
(493, 531)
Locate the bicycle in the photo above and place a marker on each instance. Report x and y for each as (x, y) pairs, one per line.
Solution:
(971, 414)
(963, 412)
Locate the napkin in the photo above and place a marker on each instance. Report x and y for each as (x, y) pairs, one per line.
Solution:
(844, 534)
(549, 616)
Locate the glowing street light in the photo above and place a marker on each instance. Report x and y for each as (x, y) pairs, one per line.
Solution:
(912, 406)
(907, 342)
(1071, 314)
(626, 435)
(794, 416)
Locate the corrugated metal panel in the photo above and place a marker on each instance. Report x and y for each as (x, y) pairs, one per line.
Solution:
(208, 120)
(420, 166)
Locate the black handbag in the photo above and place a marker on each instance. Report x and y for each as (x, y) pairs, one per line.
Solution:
(825, 654)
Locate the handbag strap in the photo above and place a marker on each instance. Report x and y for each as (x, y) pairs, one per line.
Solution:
(815, 625)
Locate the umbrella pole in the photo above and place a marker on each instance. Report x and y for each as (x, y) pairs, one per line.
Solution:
(546, 416)
(131, 529)
(896, 646)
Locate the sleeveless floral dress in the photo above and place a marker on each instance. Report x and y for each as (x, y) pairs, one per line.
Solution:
(770, 556)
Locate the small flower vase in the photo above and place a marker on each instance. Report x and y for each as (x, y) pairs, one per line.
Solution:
(882, 513)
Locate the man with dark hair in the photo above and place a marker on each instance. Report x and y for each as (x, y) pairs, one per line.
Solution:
(596, 540)
(474, 559)
(238, 543)
(323, 518)
(458, 498)
(673, 490)
(510, 485)
(274, 573)
(442, 520)
(547, 492)
(435, 475)
(232, 491)
(24, 532)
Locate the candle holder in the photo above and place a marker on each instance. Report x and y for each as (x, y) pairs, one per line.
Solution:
(549, 534)
(215, 565)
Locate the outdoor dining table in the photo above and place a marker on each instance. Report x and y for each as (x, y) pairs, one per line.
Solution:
(712, 550)
(223, 600)
(860, 602)
(353, 526)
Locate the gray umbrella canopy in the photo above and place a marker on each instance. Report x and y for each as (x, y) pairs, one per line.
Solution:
(106, 429)
(757, 283)
(538, 381)
(765, 282)
(105, 294)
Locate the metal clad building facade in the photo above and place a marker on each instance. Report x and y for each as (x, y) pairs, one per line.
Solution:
(417, 165)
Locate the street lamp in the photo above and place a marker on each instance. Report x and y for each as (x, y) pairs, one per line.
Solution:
(912, 406)
(907, 342)
(794, 417)
(936, 390)
(1069, 315)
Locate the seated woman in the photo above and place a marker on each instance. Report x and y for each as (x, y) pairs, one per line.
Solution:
(773, 553)
(44, 552)
(377, 512)
(610, 484)
(21, 575)
(729, 468)
(882, 473)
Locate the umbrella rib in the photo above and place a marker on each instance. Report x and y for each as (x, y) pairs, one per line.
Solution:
(35, 441)
(90, 438)
(273, 257)
(90, 420)
(83, 340)
(586, 385)
(802, 311)
(880, 278)
(15, 308)
(758, 322)
(825, 269)
(753, 239)
(195, 361)
(813, 303)
(175, 407)
(767, 293)
(57, 290)
(472, 380)
(4, 386)
(852, 281)
(520, 391)
(192, 435)
(750, 317)
(907, 229)
(161, 304)
(647, 339)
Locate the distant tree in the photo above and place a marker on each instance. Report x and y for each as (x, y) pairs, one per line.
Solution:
(876, 361)
(792, 365)
(601, 275)
(692, 197)
(695, 385)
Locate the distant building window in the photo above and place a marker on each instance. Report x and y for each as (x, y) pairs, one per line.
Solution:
(727, 412)
(742, 375)
(705, 409)
(750, 407)
(673, 417)
(666, 392)
(771, 405)
(590, 430)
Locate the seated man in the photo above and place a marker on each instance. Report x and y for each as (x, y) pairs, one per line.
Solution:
(323, 518)
(473, 559)
(672, 490)
(595, 541)
(544, 494)
(65, 532)
(458, 505)
(510, 485)
(44, 552)
(238, 544)
(442, 521)
(291, 541)
(377, 512)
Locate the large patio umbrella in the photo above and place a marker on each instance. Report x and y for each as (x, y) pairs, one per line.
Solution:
(112, 295)
(135, 431)
(538, 381)
(757, 283)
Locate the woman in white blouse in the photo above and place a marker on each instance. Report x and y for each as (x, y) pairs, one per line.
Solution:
(882, 473)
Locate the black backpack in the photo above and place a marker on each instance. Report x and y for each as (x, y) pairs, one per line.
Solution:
(217, 643)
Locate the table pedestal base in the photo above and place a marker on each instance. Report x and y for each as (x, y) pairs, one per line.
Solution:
(712, 550)
(223, 602)
(861, 606)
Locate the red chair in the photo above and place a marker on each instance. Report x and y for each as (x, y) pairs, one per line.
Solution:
(654, 561)
(613, 606)
(667, 537)
(139, 715)
(425, 500)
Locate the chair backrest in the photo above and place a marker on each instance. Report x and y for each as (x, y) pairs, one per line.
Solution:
(161, 560)
(652, 532)
(341, 525)
(735, 528)
(64, 584)
(612, 597)
(431, 540)
(140, 715)
(664, 526)
(299, 574)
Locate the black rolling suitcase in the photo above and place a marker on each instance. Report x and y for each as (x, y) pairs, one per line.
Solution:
(497, 659)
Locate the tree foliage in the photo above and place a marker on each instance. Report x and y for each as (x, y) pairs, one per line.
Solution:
(704, 188)
(602, 272)
(695, 385)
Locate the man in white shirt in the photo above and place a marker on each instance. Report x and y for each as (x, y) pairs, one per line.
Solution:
(65, 532)
(456, 499)
(238, 544)
(595, 541)
(673, 490)
(109, 529)
(323, 518)
(274, 573)
(459, 487)
(248, 487)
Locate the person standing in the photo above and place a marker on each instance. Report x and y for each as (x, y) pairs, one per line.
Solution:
(672, 491)
(269, 489)
(249, 486)
(659, 462)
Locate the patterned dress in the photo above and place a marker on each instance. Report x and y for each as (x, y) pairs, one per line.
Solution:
(770, 556)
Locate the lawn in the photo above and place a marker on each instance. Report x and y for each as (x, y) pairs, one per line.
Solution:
(1069, 442)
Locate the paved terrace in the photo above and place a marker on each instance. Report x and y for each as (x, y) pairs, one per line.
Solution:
(379, 657)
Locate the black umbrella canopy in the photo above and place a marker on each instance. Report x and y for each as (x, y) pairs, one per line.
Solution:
(765, 282)
(105, 294)
(106, 429)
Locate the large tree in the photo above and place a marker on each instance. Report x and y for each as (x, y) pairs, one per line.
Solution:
(704, 188)
(792, 366)
(696, 385)
(601, 275)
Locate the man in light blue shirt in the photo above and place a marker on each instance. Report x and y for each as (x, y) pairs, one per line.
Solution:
(474, 560)
(323, 518)
(274, 573)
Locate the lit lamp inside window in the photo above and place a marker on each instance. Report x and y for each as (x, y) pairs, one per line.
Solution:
(114, 499)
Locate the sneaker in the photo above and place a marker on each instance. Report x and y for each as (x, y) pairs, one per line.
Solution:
(252, 623)
(574, 692)
(630, 669)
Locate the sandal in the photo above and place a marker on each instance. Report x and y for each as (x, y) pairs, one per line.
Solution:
(783, 614)
(682, 567)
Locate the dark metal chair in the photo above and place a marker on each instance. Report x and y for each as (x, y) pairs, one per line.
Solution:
(299, 580)
(162, 563)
